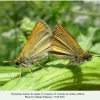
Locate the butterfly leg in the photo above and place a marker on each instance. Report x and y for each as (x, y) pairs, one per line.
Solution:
(68, 64)
(20, 73)
(75, 69)
(73, 62)
(40, 65)
(30, 70)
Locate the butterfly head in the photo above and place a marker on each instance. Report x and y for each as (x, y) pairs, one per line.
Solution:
(16, 62)
(87, 56)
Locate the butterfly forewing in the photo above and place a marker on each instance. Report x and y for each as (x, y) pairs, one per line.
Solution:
(63, 45)
(42, 47)
(38, 43)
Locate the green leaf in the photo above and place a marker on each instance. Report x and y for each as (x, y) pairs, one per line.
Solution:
(27, 25)
(86, 41)
(96, 48)
(86, 77)
(7, 74)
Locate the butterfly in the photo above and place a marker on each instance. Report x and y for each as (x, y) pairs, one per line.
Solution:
(64, 46)
(36, 47)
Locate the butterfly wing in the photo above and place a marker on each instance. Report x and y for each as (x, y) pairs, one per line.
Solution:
(63, 45)
(38, 43)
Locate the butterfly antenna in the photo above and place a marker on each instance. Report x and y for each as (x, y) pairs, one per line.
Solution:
(7, 61)
(95, 55)
(89, 48)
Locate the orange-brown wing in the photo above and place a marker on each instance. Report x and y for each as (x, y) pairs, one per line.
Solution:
(63, 45)
(38, 43)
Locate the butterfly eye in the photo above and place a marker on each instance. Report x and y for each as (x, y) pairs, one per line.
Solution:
(88, 57)
(17, 62)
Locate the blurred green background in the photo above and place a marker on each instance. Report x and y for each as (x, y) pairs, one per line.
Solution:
(17, 20)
